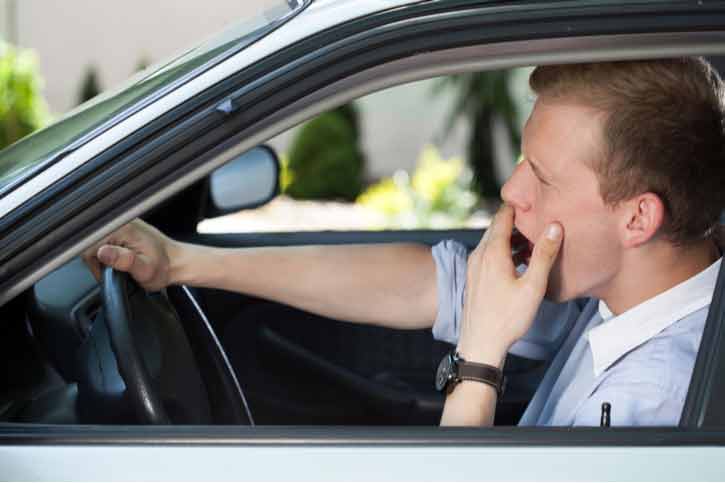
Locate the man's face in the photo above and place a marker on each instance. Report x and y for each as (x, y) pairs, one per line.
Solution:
(554, 182)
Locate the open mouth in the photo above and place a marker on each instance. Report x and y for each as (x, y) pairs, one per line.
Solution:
(522, 248)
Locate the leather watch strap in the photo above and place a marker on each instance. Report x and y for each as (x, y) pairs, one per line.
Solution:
(484, 373)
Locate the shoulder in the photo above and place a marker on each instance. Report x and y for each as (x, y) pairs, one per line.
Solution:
(667, 358)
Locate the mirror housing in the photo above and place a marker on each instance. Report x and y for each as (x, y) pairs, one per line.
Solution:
(247, 181)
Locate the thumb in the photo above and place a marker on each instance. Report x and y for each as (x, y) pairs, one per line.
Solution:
(107, 254)
(120, 258)
(136, 264)
(545, 252)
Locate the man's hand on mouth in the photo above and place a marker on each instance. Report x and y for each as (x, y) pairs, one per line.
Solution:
(500, 305)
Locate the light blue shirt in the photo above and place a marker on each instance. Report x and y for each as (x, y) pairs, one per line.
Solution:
(640, 361)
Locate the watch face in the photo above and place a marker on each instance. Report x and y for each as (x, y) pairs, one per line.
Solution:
(445, 369)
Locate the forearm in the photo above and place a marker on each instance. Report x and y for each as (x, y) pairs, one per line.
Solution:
(470, 404)
(387, 284)
(473, 403)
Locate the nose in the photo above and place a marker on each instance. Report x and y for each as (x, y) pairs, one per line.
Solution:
(516, 191)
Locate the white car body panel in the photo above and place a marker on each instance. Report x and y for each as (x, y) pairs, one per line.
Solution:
(359, 463)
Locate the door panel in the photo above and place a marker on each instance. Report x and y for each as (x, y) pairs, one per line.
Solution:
(332, 454)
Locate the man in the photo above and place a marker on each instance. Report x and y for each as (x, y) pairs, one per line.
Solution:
(617, 198)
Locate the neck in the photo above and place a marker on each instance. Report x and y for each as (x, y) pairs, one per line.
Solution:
(649, 271)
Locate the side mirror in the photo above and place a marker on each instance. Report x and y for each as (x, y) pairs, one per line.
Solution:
(247, 181)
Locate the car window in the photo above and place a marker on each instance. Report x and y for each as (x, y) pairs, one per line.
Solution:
(346, 169)
(34, 152)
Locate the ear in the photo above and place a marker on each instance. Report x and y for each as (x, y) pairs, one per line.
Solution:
(642, 217)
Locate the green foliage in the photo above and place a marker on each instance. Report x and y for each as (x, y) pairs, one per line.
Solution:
(22, 107)
(479, 98)
(437, 196)
(90, 87)
(285, 174)
(325, 159)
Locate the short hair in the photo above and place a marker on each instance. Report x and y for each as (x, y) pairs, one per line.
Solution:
(662, 133)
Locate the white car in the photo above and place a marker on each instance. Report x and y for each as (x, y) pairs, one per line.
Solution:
(208, 385)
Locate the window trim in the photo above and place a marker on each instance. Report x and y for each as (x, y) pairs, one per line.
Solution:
(53, 435)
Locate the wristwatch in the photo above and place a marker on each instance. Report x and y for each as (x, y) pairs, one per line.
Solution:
(454, 369)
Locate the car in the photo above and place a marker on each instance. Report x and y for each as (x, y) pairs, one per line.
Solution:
(104, 381)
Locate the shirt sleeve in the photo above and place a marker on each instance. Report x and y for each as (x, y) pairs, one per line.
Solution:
(451, 260)
(551, 325)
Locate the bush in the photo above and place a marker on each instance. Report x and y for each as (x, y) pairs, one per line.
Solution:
(325, 159)
(22, 108)
(439, 195)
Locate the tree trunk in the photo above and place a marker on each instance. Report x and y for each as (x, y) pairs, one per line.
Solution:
(480, 155)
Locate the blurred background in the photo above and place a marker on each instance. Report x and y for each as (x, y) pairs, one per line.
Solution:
(429, 154)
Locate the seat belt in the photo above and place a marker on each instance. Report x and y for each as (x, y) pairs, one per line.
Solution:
(705, 385)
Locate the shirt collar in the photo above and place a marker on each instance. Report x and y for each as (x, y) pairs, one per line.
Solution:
(616, 336)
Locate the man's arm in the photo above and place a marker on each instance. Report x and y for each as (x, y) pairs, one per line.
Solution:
(499, 309)
(392, 285)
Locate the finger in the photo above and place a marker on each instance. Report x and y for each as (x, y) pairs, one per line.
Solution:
(545, 252)
(118, 257)
(517, 238)
(89, 257)
(136, 264)
(481, 243)
(123, 236)
(502, 227)
(498, 247)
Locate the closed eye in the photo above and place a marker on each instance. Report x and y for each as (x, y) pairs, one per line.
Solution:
(537, 173)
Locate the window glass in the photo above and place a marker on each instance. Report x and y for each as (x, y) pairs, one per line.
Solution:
(396, 159)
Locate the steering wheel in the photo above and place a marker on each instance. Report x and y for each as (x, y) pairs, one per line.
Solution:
(161, 360)
(139, 387)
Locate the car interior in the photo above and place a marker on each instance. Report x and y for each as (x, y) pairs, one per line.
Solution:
(215, 357)
(293, 367)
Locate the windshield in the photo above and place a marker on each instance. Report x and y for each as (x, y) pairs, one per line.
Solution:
(37, 151)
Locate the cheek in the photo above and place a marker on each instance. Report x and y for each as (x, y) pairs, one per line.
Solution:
(587, 259)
